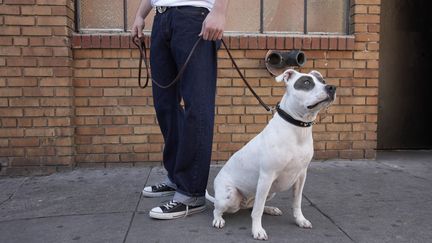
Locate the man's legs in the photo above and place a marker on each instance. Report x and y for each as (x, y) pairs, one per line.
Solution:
(198, 88)
(166, 100)
(188, 133)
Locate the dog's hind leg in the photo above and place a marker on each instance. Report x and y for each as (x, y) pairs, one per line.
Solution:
(298, 193)
(227, 199)
(274, 211)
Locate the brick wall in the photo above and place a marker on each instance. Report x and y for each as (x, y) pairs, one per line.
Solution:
(36, 102)
(82, 105)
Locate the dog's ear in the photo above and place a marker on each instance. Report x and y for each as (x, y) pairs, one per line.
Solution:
(285, 75)
(317, 75)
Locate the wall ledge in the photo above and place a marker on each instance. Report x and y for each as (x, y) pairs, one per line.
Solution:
(234, 41)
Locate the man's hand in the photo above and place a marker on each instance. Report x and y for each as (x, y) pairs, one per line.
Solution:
(213, 26)
(142, 12)
(138, 27)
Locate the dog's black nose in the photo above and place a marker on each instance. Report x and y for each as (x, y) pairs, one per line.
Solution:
(331, 90)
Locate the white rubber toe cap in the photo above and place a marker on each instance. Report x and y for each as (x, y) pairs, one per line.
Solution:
(156, 210)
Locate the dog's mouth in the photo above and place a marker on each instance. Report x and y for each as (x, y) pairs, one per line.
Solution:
(319, 102)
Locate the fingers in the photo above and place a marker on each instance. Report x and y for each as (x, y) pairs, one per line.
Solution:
(138, 27)
(220, 35)
(215, 34)
(211, 34)
(134, 32)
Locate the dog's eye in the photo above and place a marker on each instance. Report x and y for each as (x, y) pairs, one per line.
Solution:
(307, 82)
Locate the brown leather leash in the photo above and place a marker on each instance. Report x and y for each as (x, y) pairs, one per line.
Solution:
(140, 43)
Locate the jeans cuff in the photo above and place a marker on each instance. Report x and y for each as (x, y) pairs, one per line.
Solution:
(190, 201)
(169, 183)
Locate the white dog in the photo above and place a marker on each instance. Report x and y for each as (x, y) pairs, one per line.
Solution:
(277, 158)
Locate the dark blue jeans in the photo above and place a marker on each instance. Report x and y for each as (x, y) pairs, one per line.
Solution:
(187, 129)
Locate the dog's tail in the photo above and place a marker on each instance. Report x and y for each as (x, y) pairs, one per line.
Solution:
(209, 197)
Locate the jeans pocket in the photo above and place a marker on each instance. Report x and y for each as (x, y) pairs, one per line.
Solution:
(193, 12)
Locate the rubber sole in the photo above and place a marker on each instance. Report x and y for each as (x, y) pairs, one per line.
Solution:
(157, 194)
(177, 215)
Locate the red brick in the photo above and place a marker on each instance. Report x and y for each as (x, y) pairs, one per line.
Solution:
(36, 31)
(124, 41)
(315, 43)
(271, 42)
(56, 41)
(52, 20)
(234, 42)
(10, 72)
(52, 2)
(105, 42)
(37, 51)
(10, 30)
(21, 61)
(324, 43)
(19, 20)
(36, 41)
(86, 41)
(115, 41)
(35, 10)
(9, 10)
(5, 41)
(10, 51)
(341, 44)
(76, 41)
(262, 42)
(95, 41)
(307, 43)
(280, 43)
(243, 42)
(298, 42)
(19, 1)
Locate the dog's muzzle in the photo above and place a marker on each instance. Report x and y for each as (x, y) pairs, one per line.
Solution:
(331, 91)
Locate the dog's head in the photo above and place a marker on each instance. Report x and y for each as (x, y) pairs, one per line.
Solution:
(306, 93)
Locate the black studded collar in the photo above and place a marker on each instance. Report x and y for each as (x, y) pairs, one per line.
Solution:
(291, 120)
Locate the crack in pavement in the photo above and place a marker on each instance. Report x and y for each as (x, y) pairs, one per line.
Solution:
(136, 207)
(396, 167)
(328, 217)
(13, 194)
(62, 215)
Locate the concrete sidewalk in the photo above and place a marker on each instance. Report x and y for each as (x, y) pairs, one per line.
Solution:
(387, 200)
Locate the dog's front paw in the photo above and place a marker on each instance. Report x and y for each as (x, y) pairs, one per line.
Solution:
(274, 211)
(304, 223)
(218, 222)
(259, 234)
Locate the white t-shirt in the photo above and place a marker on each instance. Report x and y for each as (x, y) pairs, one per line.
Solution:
(196, 3)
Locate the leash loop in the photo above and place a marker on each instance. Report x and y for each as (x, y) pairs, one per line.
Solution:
(140, 43)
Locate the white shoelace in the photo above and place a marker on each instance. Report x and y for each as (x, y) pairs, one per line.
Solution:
(161, 185)
(187, 211)
(171, 204)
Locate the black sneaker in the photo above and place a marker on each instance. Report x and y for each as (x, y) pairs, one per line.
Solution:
(160, 190)
(174, 209)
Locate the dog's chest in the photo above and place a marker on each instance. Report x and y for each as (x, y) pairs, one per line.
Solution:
(290, 173)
